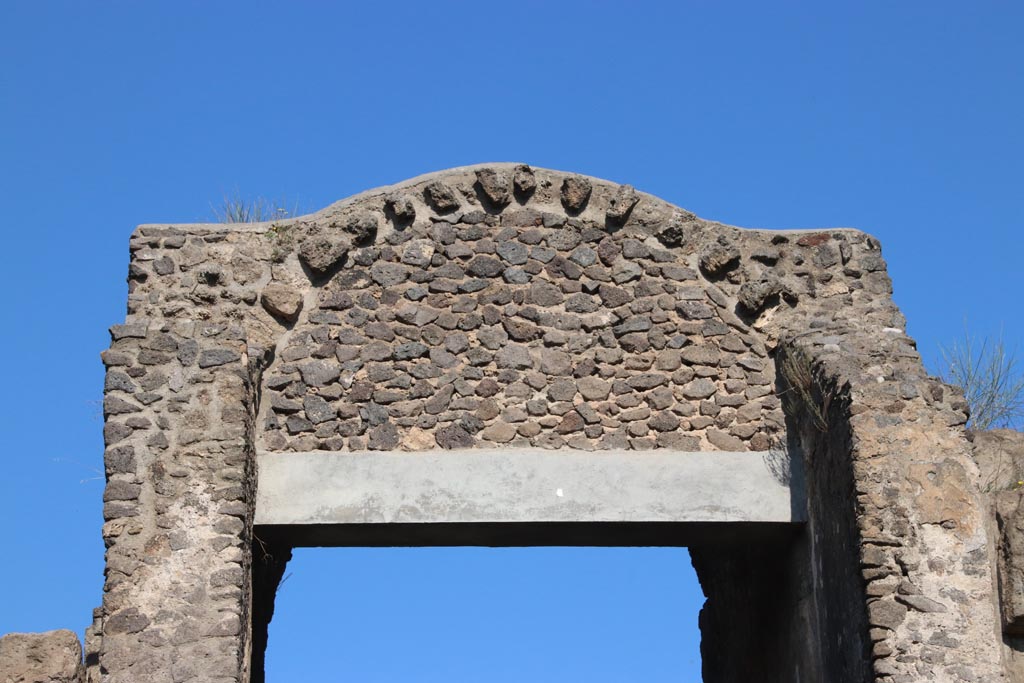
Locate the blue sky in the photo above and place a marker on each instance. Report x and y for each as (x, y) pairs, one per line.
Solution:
(901, 119)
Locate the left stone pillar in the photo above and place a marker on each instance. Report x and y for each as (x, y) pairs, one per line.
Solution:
(179, 406)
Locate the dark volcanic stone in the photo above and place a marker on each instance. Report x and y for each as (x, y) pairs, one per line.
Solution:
(383, 437)
(622, 203)
(453, 436)
(514, 356)
(647, 380)
(513, 252)
(523, 180)
(410, 350)
(584, 256)
(485, 266)
(362, 225)
(571, 422)
(553, 362)
(495, 185)
(562, 267)
(543, 293)
(318, 373)
(613, 297)
(640, 323)
(663, 422)
(317, 409)
(719, 256)
(521, 331)
(401, 206)
(297, 424)
(575, 193)
(388, 274)
(521, 218)
(754, 295)
(214, 357)
(562, 390)
(322, 252)
(441, 197)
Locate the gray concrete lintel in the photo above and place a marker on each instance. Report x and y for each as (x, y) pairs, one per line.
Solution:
(512, 485)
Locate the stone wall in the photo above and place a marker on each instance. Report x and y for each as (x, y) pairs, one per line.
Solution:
(508, 305)
(179, 411)
(51, 657)
(1000, 457)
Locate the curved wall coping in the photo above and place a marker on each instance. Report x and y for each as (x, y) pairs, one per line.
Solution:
(450, 174)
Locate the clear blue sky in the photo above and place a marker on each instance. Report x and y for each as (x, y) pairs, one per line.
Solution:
(902, 119)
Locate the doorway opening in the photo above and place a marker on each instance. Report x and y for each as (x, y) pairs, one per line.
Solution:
(432, 614)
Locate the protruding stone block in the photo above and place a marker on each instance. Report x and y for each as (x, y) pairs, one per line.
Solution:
(50, 657)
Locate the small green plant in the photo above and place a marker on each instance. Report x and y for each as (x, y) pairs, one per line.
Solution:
(993, 383)
(282, 240)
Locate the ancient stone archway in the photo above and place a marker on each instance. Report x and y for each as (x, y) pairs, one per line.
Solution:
(517, 328)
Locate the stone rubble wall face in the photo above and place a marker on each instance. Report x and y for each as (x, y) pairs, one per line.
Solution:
(509, 305)
(921, 522)
(178, 504)
(1000, 457)
(527, 322)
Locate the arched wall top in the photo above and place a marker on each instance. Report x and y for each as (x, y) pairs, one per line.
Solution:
(501, 303)
(654, 210)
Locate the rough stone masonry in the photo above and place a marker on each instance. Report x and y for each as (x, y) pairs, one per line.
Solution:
(504, 305)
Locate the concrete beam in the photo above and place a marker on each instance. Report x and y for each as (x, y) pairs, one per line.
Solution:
(525, 486)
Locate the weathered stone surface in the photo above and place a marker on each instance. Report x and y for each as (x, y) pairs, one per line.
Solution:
(514, 356)
(556, 363)
(401, 206)
(209, 358)
(499, 432)
(593, 388)
(724, 441)
(676, 230)
(496, 185)
(887, 614)
(999, 454)
(719, 256)
(753, 296)
(524, 181)
(383, 437)
(622, 203)
(320, 253)
(485, 266)
(1009, 514)
(441, 197)
(513, 252)
(318, 409)
(921, 603)
(647, 380)
(282, 301)
(361, 225)
(389, 274)
(418, 253)
(543, 293)
(522, 331)
(575, 193)
(318, 373)
(701, 387)
(50, 657)
(454, 436)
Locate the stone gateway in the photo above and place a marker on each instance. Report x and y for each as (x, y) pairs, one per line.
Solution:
(507, 355)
